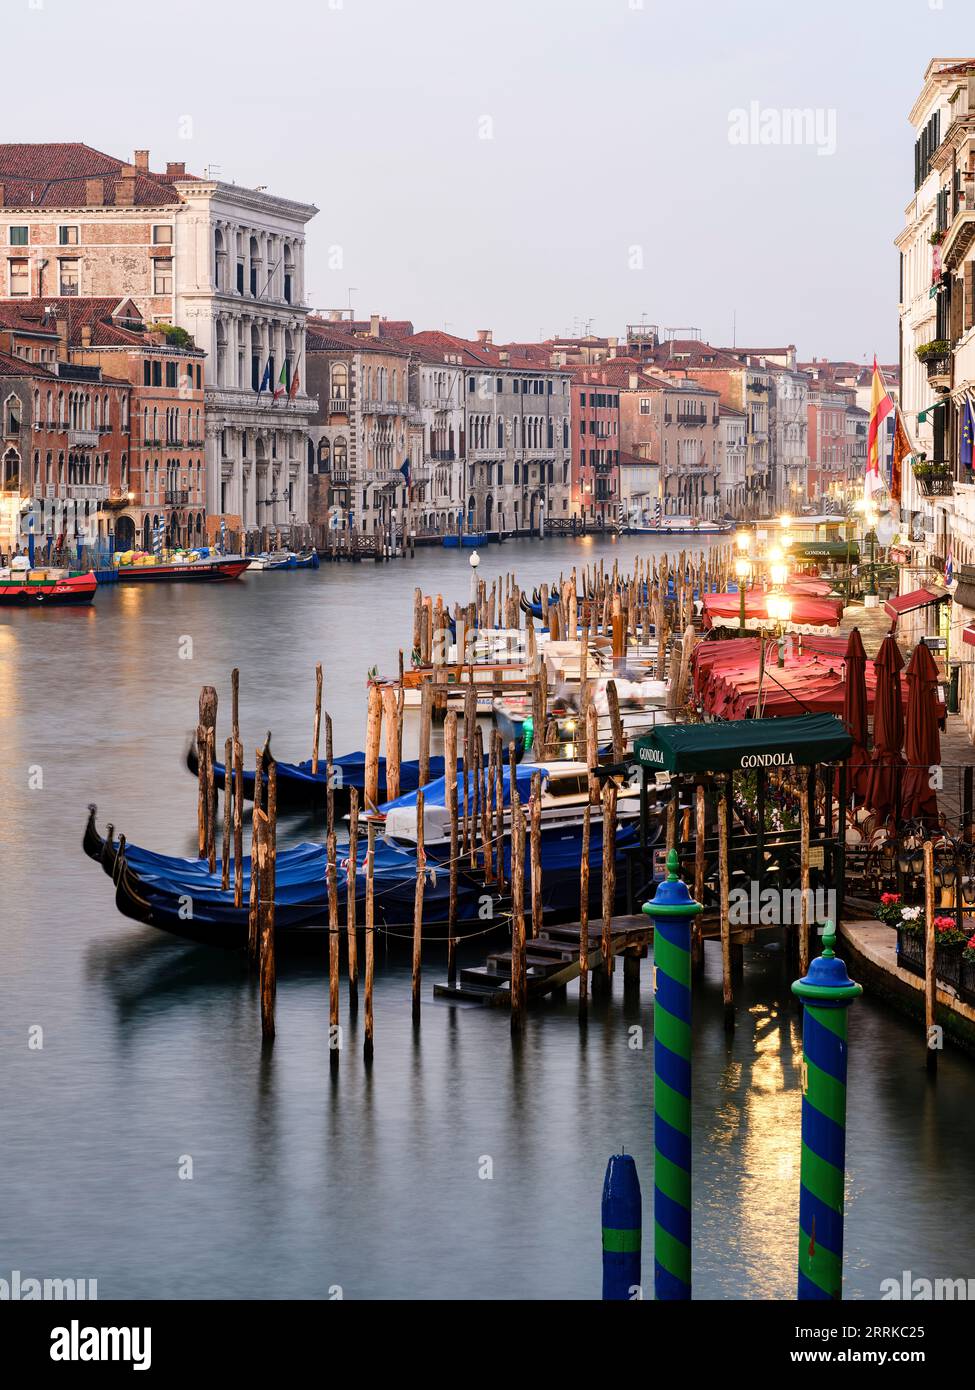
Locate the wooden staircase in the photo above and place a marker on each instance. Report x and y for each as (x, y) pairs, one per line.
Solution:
(551, 961)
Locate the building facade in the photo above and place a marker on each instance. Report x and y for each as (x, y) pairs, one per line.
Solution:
(240, 291)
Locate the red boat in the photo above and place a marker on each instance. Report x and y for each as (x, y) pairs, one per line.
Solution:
(23, 587)
(200, 571)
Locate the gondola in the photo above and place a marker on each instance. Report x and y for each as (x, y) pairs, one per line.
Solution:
(182, 897)
(300, 789)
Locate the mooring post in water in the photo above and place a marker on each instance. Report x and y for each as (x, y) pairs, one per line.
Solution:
(826, 993)
(267, 866)
(930, 962)
(228, 797)
(350, 904)
(519, 982)
(450, 784)
(421, 872)
(331, 873)
(672, 910)
(622, 1230)
(367, 1046)
(318, 718)
(207, 723)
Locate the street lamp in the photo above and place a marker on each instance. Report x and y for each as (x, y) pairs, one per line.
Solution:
(475, 561)
(742, 568)
(779, 609)
(742, 540)
(870, 518)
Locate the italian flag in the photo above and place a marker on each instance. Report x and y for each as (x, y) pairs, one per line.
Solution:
(880, 407)
(282, 385)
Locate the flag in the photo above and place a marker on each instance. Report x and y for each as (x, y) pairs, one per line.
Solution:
(282, 385)
(967, 433)
(880, 407)
(949, 570)
(900, 451)
(405, 470)
(293, 388)
(265, 379)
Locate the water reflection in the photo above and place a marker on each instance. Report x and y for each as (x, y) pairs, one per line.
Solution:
(457, 1165)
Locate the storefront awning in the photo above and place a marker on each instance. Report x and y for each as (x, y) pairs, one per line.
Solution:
(730, 745)
(909, 603)
(968, 636)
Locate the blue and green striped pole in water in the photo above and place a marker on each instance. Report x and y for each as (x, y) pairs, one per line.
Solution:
(826, 992)
(672, 909)
(622, 1229)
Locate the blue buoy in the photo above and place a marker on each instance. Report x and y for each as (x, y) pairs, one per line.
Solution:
(622, 1230)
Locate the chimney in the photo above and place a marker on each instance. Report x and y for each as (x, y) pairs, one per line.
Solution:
(485, 335)
(125, 191)
(613, 344)
(634, 379)
(334, 315)
(94, 192)
(176, 171)
(62, 330)
(503, 357)
(3, 196)
(86, 335)
(374, 325)
(127, 171)
(142, 161)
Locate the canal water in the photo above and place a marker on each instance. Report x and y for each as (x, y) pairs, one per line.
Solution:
(148, 1143)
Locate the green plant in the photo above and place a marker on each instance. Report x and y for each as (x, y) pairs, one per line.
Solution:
(937, 347)
(175, 336)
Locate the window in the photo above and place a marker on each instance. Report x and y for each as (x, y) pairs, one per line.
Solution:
(162, 276)
(68, 277)
(146, 373)
(18, 236)
(20, 278)
(67, 236)
(644, 405)
(162, 234)
(157, 373)
(171, 374)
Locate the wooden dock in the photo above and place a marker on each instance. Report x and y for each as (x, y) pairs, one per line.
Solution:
(552, 959)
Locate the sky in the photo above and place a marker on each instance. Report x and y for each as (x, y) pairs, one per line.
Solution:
(531, 166)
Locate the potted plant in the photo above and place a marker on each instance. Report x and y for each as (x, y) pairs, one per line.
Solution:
(937, 347)
(910, 940)
(889, 910)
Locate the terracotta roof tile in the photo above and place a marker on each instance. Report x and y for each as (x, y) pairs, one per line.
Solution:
(53, 176)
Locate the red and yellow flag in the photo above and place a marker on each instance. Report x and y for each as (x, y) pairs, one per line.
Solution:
(880, 407)
(901, 451)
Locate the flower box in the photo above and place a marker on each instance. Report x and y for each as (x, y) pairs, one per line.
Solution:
(910, 951)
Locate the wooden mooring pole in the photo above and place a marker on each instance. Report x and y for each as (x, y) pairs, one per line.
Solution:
(519, 983)
(930, 964)
(267, 863)
(418, 906)
(367, 1045)
(725, 910)
(350, 903)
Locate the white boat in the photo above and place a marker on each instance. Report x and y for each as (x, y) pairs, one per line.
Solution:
(565, 793)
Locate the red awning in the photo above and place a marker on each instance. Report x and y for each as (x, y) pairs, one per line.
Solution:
(968, 636)
(908, 603)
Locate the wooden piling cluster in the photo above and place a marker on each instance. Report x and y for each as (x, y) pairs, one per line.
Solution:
(654, 601)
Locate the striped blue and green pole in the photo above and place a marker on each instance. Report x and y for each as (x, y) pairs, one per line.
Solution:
(826, 993)
(622, 1229)
(672, 909)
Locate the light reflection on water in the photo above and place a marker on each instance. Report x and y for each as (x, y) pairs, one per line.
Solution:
(304, 1178)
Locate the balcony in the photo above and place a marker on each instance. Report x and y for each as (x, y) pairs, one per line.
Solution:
(383, 408)
(85, 439)
(443, 455)
(85, 492)
(195, 443)
(938, 365)
(338, 405)
(178, 497)
(934, 480)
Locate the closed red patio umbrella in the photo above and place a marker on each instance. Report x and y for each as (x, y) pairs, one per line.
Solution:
(922, 742)
(887, 763)
(855, 713)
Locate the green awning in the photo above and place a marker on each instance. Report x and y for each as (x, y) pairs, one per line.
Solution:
(729, 745)
(842, 551)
